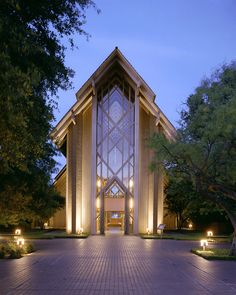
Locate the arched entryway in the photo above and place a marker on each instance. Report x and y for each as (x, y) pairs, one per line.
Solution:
(115, 207)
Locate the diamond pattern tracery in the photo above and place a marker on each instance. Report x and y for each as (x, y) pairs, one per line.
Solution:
(115, 132)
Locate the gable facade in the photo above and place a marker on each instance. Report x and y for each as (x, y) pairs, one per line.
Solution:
(107, 179)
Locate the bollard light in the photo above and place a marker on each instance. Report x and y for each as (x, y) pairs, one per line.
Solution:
(18, 232)
(190, 225)
(148, 231)
(204, 244)
(209, 233)
(20, 242)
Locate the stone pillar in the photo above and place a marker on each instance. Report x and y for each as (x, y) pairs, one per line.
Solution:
(94, 165)
(102, 229)
(71, 180)
(126, 214)
(155, 199)
(160, 200)
(151, 189)
(78, 164)
(136, 164)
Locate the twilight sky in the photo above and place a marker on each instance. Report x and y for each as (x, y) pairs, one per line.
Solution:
(172, 44)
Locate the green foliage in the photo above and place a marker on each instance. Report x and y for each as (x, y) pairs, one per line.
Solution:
(10, 249)
(3, 251)
(178, 199)
(32, 69)
(186, 203)
(204, 150)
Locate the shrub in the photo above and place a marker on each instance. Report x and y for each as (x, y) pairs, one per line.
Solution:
(3, 251)
(14, 250)
(28, 248)
(11, 250)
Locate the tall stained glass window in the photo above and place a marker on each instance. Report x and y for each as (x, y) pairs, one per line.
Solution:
(115, 132)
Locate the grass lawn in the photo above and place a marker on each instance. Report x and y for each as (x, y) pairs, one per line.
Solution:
(214, 254)
(46, 234)
(186, 235)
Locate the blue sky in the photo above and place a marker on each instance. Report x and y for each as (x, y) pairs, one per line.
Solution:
(172, 44)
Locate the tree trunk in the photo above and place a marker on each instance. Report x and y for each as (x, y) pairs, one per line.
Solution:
(233, 246)
(232, 218)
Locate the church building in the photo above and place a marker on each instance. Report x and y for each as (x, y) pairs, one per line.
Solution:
(107, 182)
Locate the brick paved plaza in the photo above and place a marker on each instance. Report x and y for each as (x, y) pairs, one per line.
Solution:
(116, 265)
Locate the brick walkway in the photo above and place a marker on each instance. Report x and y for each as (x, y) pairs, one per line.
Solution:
(116, 265)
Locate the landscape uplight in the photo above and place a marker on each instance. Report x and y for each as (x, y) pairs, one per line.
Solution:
(204, 244)
(80, 231)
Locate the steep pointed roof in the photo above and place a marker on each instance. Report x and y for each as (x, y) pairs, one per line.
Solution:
(85, 93)
(117, 56)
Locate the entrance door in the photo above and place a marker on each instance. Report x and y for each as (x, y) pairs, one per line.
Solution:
(114, 207)
(114, 210)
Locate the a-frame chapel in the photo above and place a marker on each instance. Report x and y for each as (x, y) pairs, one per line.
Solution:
(106, 181)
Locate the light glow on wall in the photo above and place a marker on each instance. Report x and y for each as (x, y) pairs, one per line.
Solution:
(68, 221)
(99, 183)
(78, 222)
(131, 203)
(98, 203)
(131, 183)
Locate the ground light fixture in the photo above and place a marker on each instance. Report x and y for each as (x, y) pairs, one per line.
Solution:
(190, 226)
(18, 232)
(204, 244)
(209, 233)
(148, 231)
(80, 231)
(20, 242)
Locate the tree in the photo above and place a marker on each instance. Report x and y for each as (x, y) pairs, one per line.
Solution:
(32, 69)
(179, 198)
(205, 146)
(185, 203)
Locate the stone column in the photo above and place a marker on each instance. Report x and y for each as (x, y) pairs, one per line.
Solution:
(160, 200)
(136, 164)
(102, 230)
(71, 180)
(126, 214)
(94, 165)
(155, 197)
(78, 164)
